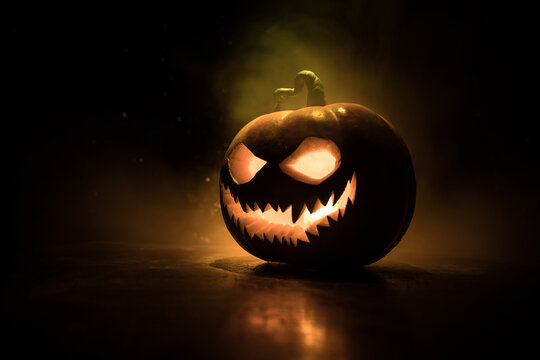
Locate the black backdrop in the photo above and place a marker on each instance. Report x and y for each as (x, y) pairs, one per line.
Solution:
(121, 102)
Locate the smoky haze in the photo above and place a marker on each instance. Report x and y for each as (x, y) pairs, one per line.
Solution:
(417, 70)
(130, 150)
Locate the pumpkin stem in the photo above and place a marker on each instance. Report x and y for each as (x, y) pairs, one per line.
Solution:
(315, 89)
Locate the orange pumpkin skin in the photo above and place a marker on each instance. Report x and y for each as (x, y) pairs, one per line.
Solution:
(371, 150)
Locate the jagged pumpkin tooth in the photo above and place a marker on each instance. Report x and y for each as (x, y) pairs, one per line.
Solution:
(303, 237)
(270, 239)
(334, 215)
(310, 204)
(342, 210)
(274, 205)
(294, 241)
(312, 229)
(297, 211)
(352, 194)
(243, 205)
(325, 199)
(323, 221)
(318, 205)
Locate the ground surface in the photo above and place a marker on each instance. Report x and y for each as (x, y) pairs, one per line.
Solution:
(102, 300)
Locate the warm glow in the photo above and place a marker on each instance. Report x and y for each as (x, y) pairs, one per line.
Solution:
(288, 317)
(243, 165)
(278, 224)
(314, 161)
(316, 164)
(254, 165)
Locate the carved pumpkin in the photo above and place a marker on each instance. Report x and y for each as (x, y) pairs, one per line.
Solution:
(319, 185)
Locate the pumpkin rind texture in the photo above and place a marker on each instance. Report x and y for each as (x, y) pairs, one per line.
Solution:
(356, 215)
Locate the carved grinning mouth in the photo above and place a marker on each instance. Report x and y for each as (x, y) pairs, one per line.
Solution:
(277, 224)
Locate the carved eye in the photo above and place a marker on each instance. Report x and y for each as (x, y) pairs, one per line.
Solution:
(243, 165)
(314, 161)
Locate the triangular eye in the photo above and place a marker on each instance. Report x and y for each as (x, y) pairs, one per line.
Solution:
(243, 165)
(314, 161)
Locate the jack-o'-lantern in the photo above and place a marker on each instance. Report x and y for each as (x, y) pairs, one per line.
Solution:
(321, 185)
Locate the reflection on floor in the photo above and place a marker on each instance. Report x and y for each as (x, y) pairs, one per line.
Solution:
(116, 300)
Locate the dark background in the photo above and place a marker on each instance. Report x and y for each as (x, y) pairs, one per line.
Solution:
(123, 114)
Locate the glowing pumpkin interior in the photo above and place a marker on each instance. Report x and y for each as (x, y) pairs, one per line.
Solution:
(243, 165)
(278, 225)
(314, 161)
